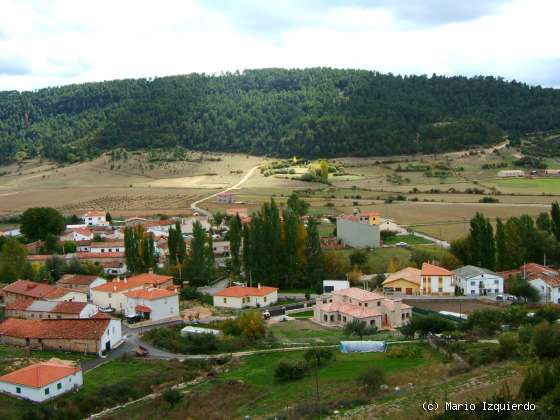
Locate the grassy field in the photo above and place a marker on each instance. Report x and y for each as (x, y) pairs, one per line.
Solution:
(302, 315)
(409, 239)
(249, 388)
(525, 185)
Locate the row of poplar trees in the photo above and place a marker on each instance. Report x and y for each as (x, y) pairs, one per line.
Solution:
(139, 249)
(513, 242)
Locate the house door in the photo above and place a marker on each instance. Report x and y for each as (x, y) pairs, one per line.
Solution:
(409, 290)
(108, 346)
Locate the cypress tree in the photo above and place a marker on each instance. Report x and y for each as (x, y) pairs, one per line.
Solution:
(555, 219)
(314, 269)
(235, 244)
(500, 245)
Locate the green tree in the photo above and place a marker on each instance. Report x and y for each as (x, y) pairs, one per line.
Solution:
(172, 396)
(555, 219)
(297, 204)
(38, 222)
(315, 268)
(371, 380)
(197, 270)
(235, 237)
(55, 268)
(355, 327)
(501, 249)
(358, 259)
(544, 222)
(13, 261)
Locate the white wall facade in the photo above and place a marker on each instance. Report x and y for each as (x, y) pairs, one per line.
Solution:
(95, 220)
(112, 335)
(89, 311)
(108, 248)
(547, 293)
(482, 284)
(68, 383)
(161, 308)
(246, 302)
(115, 300)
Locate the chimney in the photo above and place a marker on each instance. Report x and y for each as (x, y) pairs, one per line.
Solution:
(258, 285)
(124, 280)
(150, 271)
(114, 288)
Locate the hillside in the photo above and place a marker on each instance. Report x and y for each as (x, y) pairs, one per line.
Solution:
(312, 112)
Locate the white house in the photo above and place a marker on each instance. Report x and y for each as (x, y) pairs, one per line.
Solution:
(95, 218)
(333, 285)
(109, 246)
(477, 281)
(42, 381)
(239, 297)
(152, 304)
(77, 234)
(10, 232)
(221, 248)
(546, 280)
(436, 280)
(81, 282)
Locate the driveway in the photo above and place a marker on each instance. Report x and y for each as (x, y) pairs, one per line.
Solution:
(215, 287)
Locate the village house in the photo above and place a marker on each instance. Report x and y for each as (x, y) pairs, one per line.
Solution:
(436, 281)
(10, 232)
(159, 227)
(25, 289)
(333, 285)
(96, 335)
(152, 304)
(359, 230)
(43, 380)
(41, 309)
(552, 172)
(113, 294)
(114, 268)
(242, 212)
(81, 282)
(95, 218)
(188, 223)
(477, 281)
(221, 248)
(347, 305)
(546, 280)
(77, 234)
(511, 173)
(239, 297)
(107, 246)
(403, 282)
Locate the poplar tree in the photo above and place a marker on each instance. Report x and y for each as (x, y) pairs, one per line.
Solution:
(555, 219)
(501, 249)
(235, 233)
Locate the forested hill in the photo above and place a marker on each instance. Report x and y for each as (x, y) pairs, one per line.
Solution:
(312, 112)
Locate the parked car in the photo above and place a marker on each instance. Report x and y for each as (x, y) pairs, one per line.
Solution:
(402, 244)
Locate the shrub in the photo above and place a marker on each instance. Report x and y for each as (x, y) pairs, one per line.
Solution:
(509, 346)
(427, 324)
(252, 325)
(371, 379)
(401, 352)
(545, 341)
(318, 356)
(172, 396)
(487, 321)
(290, 370)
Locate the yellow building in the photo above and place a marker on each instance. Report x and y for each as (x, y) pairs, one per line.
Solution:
(403, 282)
(372, 217)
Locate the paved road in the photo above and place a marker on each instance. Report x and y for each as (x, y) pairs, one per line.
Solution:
(215, 287)
(438, 242)
(195, 205)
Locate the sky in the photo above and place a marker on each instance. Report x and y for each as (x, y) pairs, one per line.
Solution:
(56, 42)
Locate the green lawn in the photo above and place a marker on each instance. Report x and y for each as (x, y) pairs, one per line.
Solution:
(378, 258)
(303, 331)
(336, 380)
(529, 185)
(302, 315)
(409, 239)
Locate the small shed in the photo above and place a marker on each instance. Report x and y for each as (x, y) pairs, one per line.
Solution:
(198, 330)
(362, 346)
(334, 285)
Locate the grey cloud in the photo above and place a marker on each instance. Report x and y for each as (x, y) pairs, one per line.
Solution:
(13, 66)
(265, 17)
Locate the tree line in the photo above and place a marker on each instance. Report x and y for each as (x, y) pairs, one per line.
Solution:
(311, 112)
(513, 242)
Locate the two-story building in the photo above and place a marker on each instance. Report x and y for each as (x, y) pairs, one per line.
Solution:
(436, 280)
(152, 304)
(359, 230)
(81, 282)
(95, 218)
(478, 281)
(375, 310)
(403, 282)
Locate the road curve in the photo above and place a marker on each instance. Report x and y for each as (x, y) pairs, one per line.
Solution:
(195, 205)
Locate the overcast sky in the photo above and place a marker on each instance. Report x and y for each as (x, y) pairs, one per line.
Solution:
(47, 43)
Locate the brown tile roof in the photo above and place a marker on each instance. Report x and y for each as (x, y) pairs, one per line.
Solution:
(434, 270)
(78, 279)
(82, 231)
(29, 288)
(95, 213)
(240, 291)
(94, 255)
(151, 294)
(351, 310)
(69, 307)
(84, 329)
(19, 305)
(57, 292)
(107, 244)
(149, 278)
(133, 282)
(142, 308)
(409, 274)
(39, 374)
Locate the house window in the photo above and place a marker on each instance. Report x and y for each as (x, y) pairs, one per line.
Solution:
(18, 390)
(265, 298)
(402, 316)
(110, 295)
(379, 303)
(325, 318)
(360, 304)
(343, 319)
(47, 391)
(495, 290)
(365, 304)
(59, 385)
(372, 322)
(225, 300)
(496, 281)
(472, 283)
(165, 301)
(440, 279)
(398, 289)
(440, 289)
(472, 292)
(338, 317)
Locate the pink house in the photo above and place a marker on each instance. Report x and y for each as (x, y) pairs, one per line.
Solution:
(346, 305)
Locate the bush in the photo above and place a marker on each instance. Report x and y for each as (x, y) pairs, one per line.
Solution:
(402, 352)
(371, 379)
(318, 356)
(486, 321)
(290, 370)
(252, 325)
(434, 324)
(172, 396)
(545, 341)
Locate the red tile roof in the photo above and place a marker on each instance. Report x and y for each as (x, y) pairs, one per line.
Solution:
(40, 374)
(149, 278)
(57, 292)
(240, 291)
(79, 329)
(142, 308)
(19, 305)
(95, 213)
(97, 255)
(29, 288)
(151, 293)
(82, 231)
(69, 307)
(351, 310)
(434, 270)
(78, 279)
(133, 282)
